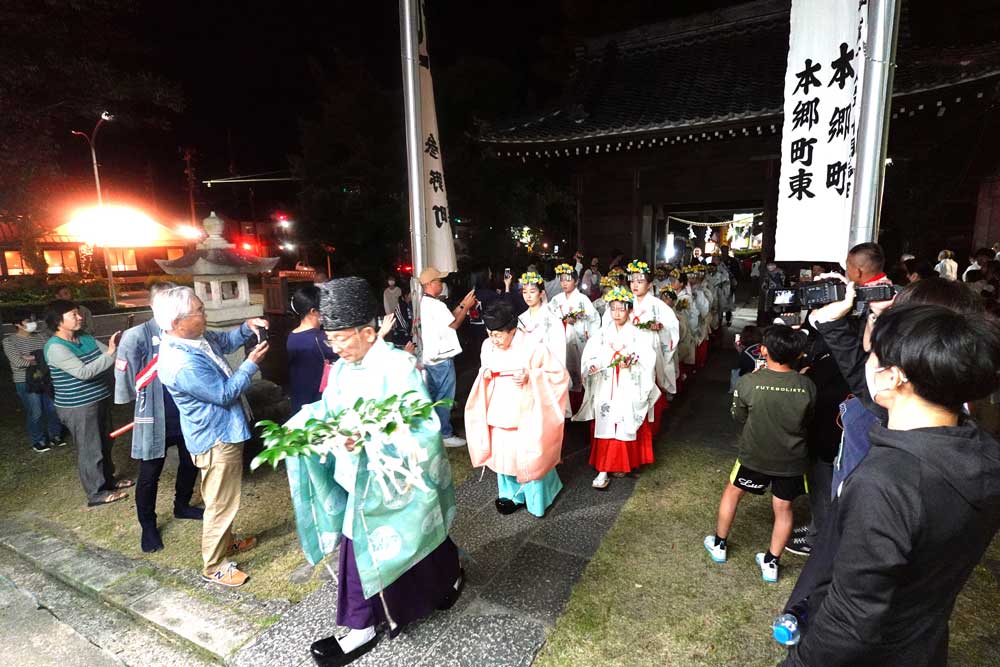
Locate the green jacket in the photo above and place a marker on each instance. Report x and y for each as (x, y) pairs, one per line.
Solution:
(390, 534)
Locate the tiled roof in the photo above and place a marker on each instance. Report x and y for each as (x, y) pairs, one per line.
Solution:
(11, 231)
(729, 75)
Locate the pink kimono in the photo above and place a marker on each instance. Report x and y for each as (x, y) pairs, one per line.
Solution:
(517, 430)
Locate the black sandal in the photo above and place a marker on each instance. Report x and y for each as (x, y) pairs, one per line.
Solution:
(112, 497)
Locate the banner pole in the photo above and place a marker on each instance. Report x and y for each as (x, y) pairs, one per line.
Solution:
(409, 22)
(873, 119)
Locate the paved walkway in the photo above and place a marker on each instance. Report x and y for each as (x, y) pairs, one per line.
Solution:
(519, 574)
(34, 637)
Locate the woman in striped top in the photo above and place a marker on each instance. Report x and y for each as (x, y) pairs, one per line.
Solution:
(43, 424)
(81, 375)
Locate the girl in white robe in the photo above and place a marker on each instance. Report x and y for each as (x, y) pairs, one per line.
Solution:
(620, 391)
(539, 324)
(579, 321)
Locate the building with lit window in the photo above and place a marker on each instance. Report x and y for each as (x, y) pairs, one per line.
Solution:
(132, 245)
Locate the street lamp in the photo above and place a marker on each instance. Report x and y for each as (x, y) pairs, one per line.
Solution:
(91, 139)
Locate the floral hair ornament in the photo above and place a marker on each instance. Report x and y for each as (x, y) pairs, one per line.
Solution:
(565, 269)
(674, 273)
(667, 292)
(608, 281)
(660, 271)
(532, 278)
(619, 294)
(616, 273)
(637, 266)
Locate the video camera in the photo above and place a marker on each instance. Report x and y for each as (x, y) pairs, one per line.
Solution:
(815, 294)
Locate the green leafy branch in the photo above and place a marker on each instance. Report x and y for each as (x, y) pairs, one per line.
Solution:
(361, 422)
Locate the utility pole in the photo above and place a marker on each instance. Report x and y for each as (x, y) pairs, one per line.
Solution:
(189, 172)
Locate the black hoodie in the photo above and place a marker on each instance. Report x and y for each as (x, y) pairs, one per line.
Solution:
(912, 522)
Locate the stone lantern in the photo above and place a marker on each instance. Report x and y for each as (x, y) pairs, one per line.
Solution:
(220, 277)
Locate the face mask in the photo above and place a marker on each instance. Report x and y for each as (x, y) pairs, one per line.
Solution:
(870, 380)
(31, 327)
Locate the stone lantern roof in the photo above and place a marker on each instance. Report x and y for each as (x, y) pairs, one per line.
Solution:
(215, 256)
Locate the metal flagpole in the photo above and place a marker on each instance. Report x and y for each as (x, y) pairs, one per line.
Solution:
(409, 24)
(873, 119)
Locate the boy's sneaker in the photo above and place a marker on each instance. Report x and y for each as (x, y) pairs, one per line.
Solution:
(801, 546)
(768, 571)
(801, 531)
(453, 441)
(717, 552)
(40, 447)
(58, 442)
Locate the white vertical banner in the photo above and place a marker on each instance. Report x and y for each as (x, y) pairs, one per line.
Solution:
(823, 83)
(440, 237)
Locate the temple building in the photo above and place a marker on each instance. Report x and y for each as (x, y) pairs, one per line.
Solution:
(681, 121)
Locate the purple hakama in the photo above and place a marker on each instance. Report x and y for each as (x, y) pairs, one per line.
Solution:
(417, 593)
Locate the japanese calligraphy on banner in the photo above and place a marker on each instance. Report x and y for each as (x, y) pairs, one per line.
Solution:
(437, 219)
(826, 56)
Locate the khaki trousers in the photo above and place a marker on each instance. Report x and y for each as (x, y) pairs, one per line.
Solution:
(221, 480)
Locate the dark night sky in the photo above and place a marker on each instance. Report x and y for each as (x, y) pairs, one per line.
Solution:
(244, 70)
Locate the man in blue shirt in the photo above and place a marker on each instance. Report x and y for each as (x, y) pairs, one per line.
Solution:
(209, 398)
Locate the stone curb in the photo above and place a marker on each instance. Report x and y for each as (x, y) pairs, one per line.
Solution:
(127, 585)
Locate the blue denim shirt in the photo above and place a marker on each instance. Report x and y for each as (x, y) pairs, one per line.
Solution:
(208, 401)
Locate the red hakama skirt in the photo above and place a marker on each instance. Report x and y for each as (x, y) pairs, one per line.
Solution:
(701, 354)
(612, 455)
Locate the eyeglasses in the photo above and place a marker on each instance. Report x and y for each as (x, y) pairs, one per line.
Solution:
(340, 339)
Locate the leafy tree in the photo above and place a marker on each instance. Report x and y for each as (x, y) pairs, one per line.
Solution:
(62, 62)
(353, 171)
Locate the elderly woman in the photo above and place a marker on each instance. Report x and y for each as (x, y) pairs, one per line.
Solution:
(397, 563)
(81, 377)
(514, 415)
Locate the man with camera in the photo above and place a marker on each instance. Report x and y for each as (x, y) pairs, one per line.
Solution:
(209, 398)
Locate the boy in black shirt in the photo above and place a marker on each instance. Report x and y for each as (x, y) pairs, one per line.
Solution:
(774, 405)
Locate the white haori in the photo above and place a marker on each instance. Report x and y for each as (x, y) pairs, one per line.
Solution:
(542, 327)
(649, 309)
(577, 334)
(618, 401)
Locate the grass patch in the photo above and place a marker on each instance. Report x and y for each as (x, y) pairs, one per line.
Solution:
(652, 596)
(44, 489)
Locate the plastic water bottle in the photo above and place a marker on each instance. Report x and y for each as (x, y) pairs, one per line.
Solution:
(786, 630)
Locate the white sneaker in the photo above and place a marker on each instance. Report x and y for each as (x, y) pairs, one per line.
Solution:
(601, 481)
(768, 571)
(454, 441)
(717, 552)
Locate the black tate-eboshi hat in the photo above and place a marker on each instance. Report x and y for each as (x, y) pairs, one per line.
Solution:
(346, 303)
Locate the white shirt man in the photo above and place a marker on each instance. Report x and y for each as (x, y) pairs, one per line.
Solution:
(440, 346)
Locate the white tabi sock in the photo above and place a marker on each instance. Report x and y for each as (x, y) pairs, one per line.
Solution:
(356, 638)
